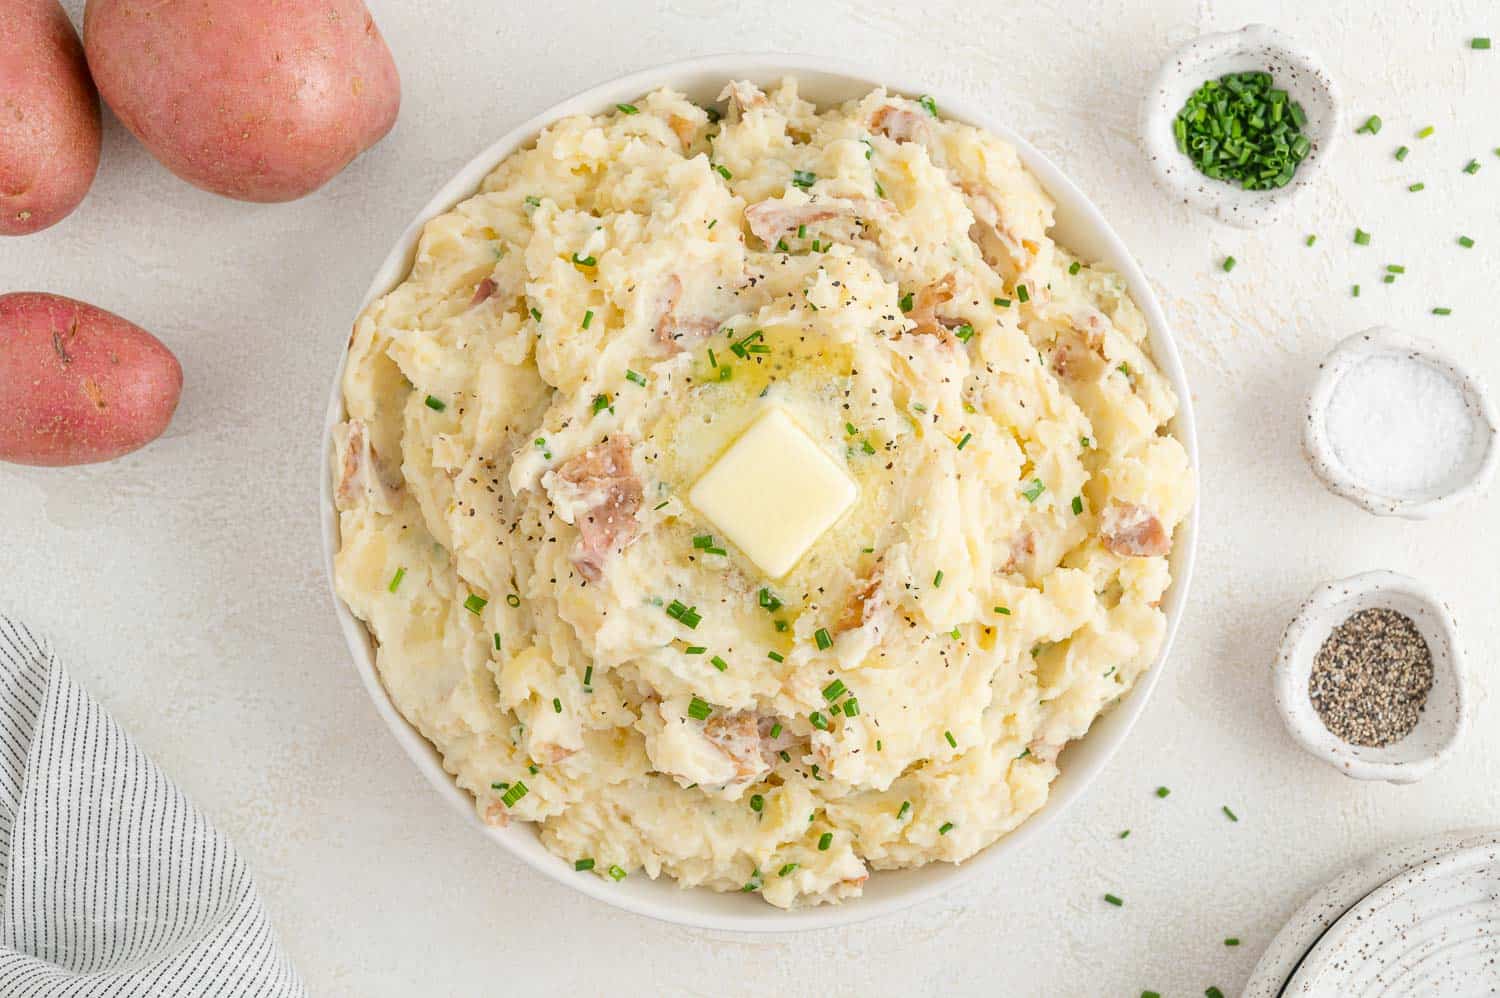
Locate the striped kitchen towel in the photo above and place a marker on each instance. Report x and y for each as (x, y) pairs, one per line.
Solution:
(111, 883)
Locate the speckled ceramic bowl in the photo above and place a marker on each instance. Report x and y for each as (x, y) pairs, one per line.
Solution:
(1295, 69)
(1469, 476)
(1445, 716)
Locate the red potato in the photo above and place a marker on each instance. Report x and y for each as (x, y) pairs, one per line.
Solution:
(259, 100)
(49, 117)
(79, 384)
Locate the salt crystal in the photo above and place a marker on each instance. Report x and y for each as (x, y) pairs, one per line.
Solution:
(1399, 425)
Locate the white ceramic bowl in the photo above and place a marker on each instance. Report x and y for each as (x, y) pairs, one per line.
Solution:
(1470, 476)
(1443, 720)
(1079, 225)
(1295, 68)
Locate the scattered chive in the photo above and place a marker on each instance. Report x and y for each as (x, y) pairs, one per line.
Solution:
(1034, 490)
(1002, 303)
(616, 873)
(823, 638)
(1401, 152)
(601, 402)
(1004, 611)
(1022, 295)
(905, 302)
(1371, 125)
(768, 600)
(396, 580)
(475, 603)
(556, 705)
(1418, 186)
(536, 314)
(583, 864)
(1229, 814)
(1078, 505)
(803, 178)
(1114, 900)
(436, 404)
(1465, 242)
(1472, 166)
(699, 709)
(802, 232)
(1395, 268)
(1125, 834)
(636, 378)
(1426, 131)
(1162, 791)
(824, 841)
(588, 678)
(1390, 278)
(928, 105)
(1479, 43)
(952, 742)
(514, 793)
(1232, 941)
(966, 438)
(1361, 237)
(1442, 311)
(937, 580)
(775, 656)
(532, 201)
(497, 640)
(757, 803)
(786, 869)
(834, 690)
(905, 807)
(718, 663)
(1074, 267)
(818, 721)
(588, 317)
(776, 730)
(723, 171)
(584, 261)
(851, 707)
(1311, 239)
(627, 109)
(1356, 290)
(1213, 992)
(1228, 264)
(964, 332)
(945, 828)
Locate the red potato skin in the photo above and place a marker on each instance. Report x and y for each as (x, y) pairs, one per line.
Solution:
(78, 384)
(258, 100)
(49, 117)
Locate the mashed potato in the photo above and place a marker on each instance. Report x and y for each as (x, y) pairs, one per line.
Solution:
(578, 342)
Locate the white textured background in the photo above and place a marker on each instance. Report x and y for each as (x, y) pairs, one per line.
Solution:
(183, 583)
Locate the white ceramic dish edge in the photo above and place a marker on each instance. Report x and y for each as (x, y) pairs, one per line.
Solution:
(1330, 902)
(1443, 721)
(1485, 453)
(890, 890)
(1253, 47)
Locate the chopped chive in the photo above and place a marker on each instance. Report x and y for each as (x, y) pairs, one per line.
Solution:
(532, 201)
(904, 809)
(636, 378)
(583, 864)
(780, 626)
(1022, 295)
(952, 742)
(396, 579)
(964, 332)
(699, 709)
(1442, 311)
(694, 650)
(1356, 290)
(475, 603)
(1418, 186)
(905, 302)
(1074, 267)
(867, 447)
(1085, 443)
(1390, 278)
(616, 873)
(1401, 152)
(718, 663)
(1125, 834)
(928, 105)
(723, 171)
(1311, 239)
(802, 232)
(497, 640)
(757, 803)
(937, 580)
(818, 721)
(556, 705)
(588, 677)
(1078, 505)
(1472, 166)
(1479, 43)
(785, 870)
(627, 109)
(1395, 268)
(536, 314)
(834, 690)
(966, 438)
(1002, 303)
(588, 317)
(1114, 900)
(1361, 237)
(1229, 814)
(1228, 264)
(1232, 941)
(1212, 992)
(601, 402)
(436, 404)
(776, 730)
(1465, 242)
(851, 707)
(584, 261)
(1371, 125)
(823, 638)
(803, 178)
(516, 791)
(945, 828)
(1033, 491)
(1004, 611)
(768, 600)
(775, 656)
(1162, 791)
(1426, 131)
(824, 841)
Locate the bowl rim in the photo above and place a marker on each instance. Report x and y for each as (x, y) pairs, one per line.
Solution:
(937, 876)
(1294, 659)
(1372, 342)
(1229, 204)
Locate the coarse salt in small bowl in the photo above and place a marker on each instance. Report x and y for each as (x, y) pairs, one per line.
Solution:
(1255, 47)
(1398, 426)
(1444, 717)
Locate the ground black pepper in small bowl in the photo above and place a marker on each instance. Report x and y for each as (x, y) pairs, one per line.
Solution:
(1370, 679)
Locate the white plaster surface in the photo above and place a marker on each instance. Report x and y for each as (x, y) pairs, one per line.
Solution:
(183, 583)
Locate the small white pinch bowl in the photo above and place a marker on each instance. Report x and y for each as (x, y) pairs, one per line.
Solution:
(1470, 476)
(1255, 47)
(1446, 714)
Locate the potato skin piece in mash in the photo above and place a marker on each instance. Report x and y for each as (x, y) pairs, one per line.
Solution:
(576, 345)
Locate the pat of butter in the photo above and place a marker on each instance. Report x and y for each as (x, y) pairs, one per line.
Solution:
(773, 493)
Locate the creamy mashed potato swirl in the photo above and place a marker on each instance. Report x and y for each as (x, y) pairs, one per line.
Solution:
(579, 341)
